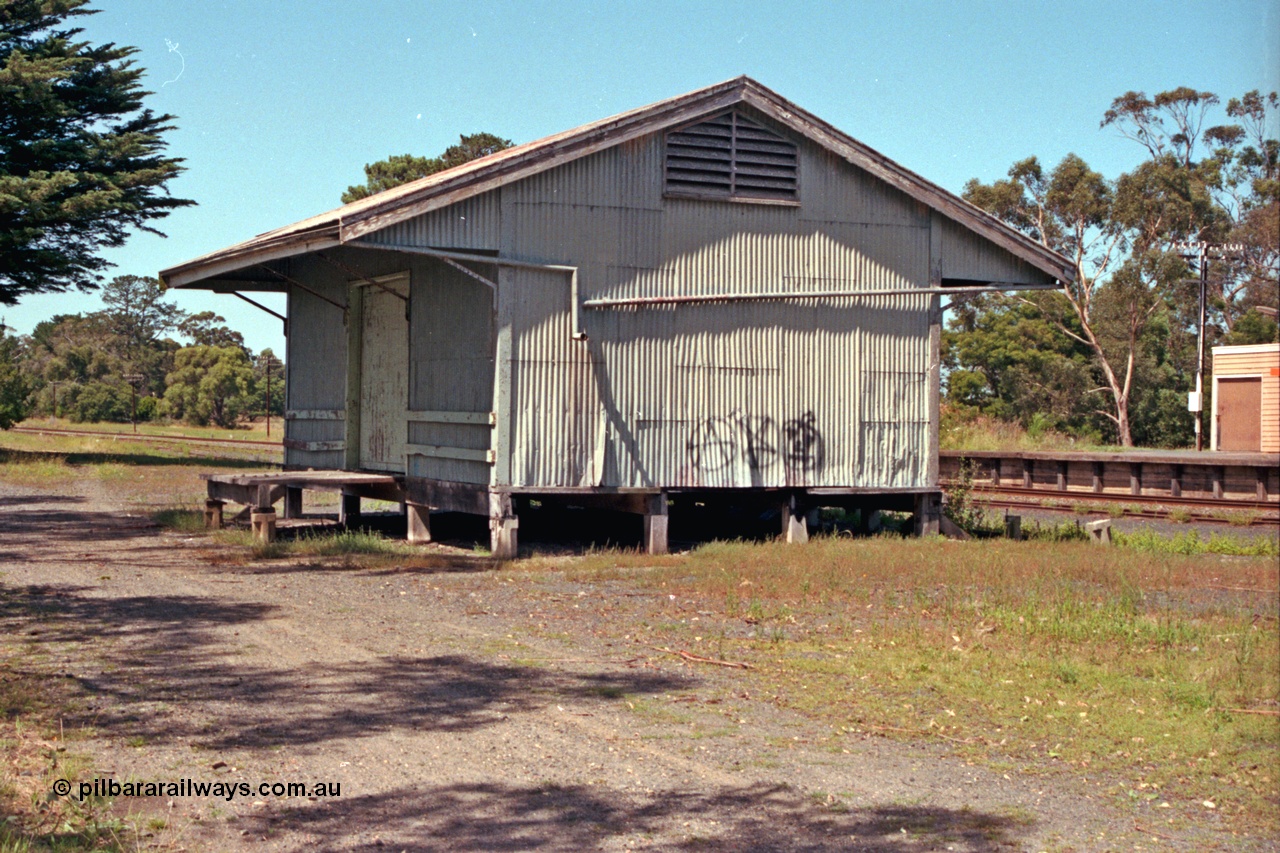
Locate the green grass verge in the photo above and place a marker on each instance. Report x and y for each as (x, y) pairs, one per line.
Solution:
(1152, 675)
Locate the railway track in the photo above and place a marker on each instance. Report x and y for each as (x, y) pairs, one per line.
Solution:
(1198, 510)
(173, 439)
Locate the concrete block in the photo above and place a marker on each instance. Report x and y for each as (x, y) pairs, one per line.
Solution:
(213, 514)
(1099, 531)
(264, 525)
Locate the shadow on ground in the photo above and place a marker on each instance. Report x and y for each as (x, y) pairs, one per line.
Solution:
(172, 669)
(42, 525)
(759, 817)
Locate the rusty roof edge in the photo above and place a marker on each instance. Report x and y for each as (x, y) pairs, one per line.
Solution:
(256, 250)
(488, 173)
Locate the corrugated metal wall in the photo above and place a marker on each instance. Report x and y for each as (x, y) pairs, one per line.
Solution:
(451, 367)
(472, 223)
(965, 255)
(317, 353)
(829, 392)
(821, 392)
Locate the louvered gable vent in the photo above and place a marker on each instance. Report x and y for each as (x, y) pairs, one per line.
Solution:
(730, 157)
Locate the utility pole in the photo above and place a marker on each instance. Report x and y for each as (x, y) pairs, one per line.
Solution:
(133, 379)
(1201, 252)
(269, 360)
(55, 383)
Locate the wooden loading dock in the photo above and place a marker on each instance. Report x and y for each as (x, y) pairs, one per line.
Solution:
(1147, 474)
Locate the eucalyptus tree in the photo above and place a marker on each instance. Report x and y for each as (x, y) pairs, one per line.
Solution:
(1128, 306)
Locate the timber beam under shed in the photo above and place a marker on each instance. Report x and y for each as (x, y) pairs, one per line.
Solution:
(795, 512)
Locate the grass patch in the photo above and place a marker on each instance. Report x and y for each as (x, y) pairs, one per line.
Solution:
(181, 519)
(244, 432)
(34, 750)
(1126, 665)
(1191, 542)
(34, 469)
(153, 477)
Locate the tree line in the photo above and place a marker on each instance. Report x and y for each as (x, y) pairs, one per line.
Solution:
(1108, 359)
(1112, 357)
(124, 362)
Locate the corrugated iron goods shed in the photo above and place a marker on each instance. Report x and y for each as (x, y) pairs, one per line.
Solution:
(718, 295)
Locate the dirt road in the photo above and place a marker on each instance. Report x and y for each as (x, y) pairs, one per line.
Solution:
(460, 709)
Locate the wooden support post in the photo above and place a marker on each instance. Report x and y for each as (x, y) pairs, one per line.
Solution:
(264, 496)
(1175, 482)
(871, 521)
(794, 528)
(263, 522)
(1261, 475)
(1062, 476)
(995, 472)
(349, 510)
(504, 527)
(928, 513)
(1218, 475)
(1099, 473)
(1013, 527)
(1028, 473)
(1135, 478)
(293, 502)
(655, 524)
(419, 518)
(213, 514)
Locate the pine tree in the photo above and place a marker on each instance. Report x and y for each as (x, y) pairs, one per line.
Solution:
(81, 159)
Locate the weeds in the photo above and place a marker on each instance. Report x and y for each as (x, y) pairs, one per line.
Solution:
(1063, 531)
(959, 506)
(32, 746)
(1237, 517)
(1123, 663)
(180, 519)
(1190, 542)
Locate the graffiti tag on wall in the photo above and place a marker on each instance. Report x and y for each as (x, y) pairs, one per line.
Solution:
(759, 441)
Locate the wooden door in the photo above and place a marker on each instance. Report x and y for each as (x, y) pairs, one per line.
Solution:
(1240, 414)
(384, 376)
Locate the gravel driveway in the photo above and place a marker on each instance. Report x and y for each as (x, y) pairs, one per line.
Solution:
(459, 709)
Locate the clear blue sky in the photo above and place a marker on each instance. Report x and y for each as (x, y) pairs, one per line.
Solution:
(279, 105)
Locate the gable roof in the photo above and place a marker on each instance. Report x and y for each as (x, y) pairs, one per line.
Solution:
(351, 221)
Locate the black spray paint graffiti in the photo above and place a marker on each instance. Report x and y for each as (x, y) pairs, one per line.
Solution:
(757, 440)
